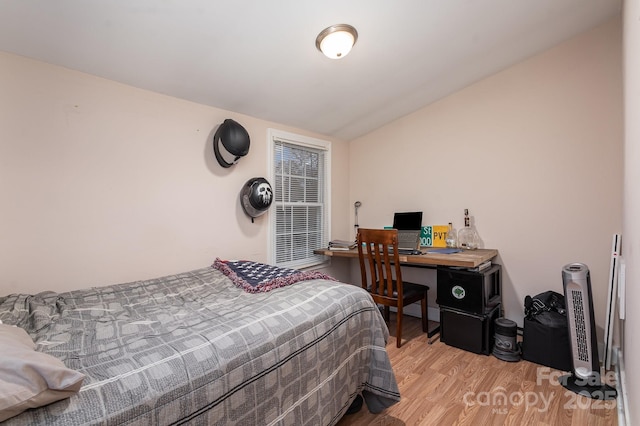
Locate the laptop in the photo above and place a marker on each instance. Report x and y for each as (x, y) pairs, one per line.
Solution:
(409, 226)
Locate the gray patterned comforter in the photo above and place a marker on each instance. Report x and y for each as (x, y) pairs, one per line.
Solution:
(193, 348)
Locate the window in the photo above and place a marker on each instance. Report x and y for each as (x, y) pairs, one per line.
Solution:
(300, 176)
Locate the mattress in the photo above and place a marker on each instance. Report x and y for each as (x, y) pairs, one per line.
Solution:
(193, 348)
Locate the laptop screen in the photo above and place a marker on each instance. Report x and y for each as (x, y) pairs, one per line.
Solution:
(408, 221)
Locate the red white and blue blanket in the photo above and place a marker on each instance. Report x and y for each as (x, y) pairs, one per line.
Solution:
(255, 277)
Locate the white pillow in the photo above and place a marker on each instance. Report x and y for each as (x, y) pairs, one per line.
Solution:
(28, 378)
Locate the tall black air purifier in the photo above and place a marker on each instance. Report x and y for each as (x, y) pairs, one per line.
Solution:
(585, 378)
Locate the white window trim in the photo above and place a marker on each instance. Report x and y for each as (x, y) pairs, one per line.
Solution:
(303, 141)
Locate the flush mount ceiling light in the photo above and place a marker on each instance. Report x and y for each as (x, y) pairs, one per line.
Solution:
(336, 41)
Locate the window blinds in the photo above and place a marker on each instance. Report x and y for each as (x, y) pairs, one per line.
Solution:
(300, 208)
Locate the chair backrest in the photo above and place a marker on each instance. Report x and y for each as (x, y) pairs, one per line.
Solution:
(380, 263)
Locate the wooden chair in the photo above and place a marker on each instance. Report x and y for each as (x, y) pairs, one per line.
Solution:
(382, 277)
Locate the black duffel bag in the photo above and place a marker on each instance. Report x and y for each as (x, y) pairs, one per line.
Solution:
(545, 338)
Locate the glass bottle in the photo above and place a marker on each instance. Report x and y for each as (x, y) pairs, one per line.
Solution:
(467, 236)
(451, 240)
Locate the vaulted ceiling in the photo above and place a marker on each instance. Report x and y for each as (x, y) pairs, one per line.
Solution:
(258, 57)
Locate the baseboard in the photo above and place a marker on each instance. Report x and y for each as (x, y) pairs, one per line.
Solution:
(622, 400)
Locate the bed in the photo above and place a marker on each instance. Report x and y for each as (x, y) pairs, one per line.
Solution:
(198, 348)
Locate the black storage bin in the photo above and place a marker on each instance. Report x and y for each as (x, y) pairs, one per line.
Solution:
(469, 291)
(468, 331)
(544, 345)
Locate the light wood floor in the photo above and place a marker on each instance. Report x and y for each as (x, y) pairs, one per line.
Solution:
(443, 385)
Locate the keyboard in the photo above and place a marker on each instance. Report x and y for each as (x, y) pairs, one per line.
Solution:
(408, 240)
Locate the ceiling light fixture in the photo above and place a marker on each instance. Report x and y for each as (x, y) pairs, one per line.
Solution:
(336, 41)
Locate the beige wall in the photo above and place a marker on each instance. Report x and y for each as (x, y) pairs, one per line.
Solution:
(103, 183)
(534, 152)
(631, 213)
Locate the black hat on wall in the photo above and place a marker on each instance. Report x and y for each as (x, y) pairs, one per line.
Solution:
(230, 143)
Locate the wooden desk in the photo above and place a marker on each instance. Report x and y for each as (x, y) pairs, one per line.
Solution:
(465, 259)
